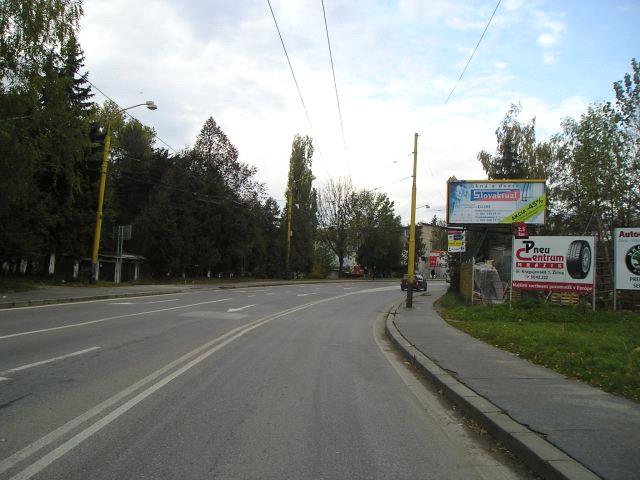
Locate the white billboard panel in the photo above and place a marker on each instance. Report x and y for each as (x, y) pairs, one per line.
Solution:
(490, 202)
(456, 242)
(553, 264)
(627, 258)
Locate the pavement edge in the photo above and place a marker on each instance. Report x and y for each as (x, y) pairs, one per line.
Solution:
(544, 458)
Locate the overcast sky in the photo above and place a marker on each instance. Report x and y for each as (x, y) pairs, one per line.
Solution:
(395, 61)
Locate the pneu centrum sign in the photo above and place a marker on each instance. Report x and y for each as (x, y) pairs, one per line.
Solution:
(490, 202)
(627, 258)
(553, 264)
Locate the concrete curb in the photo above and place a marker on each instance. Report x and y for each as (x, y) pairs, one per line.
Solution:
(55, 301)
(298, 282)
(545, 459)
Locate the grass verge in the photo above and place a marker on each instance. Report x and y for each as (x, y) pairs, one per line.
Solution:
(10, 285)
(601, 348)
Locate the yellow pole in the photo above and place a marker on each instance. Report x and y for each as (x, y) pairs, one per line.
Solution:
(103, 182)
(412, 228)
(289, 229)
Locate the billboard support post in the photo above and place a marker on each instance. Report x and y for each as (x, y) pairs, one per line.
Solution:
(593, 294)
(473, 278)
(615, 296)
(511, 279)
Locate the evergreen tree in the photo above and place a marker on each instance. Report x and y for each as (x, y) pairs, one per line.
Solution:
(304, 205)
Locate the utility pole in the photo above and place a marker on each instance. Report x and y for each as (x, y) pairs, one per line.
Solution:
(412, 228)
(103, 182)
(289, 229)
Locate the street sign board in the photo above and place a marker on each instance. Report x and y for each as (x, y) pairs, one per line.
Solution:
(627, 258)
(553, 264)
(491, 202)
(456, 241)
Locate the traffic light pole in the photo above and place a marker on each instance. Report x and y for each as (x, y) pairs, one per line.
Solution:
(412, 228)
(103, 183)
(289, 230)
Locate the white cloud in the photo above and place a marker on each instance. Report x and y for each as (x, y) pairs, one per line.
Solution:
(224, 59)
(547, 40)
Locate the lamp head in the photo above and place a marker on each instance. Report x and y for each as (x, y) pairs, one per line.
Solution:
(151, 105)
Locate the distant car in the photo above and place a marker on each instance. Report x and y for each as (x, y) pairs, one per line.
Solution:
(419, 283)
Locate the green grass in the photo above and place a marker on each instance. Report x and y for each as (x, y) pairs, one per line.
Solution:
(11, 285)
(601, 348)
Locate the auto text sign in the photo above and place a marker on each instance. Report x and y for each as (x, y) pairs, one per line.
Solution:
(553, 264)
(627, 258)
(490, 202)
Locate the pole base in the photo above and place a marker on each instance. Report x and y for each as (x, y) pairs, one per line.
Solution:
(409, 296)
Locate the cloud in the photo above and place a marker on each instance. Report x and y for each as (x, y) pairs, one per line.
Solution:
(394, 67)
(547, 40)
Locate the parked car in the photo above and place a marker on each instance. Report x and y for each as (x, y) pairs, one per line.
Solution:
(419, 283)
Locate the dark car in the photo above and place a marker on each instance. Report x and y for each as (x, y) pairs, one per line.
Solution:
(419, 283)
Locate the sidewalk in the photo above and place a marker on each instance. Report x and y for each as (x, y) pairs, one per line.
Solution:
(599, 430)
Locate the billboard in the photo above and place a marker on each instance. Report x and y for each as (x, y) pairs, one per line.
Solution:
(490, 202)
(627, 258)
(456, 241)
(553, 264)
(437, 258)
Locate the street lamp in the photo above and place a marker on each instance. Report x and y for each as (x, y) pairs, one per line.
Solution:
(103, 181)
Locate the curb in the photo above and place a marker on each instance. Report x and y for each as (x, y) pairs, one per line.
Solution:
(55, 301)
(544, 458)
(284, 284)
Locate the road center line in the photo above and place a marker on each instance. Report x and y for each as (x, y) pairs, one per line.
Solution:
(65, 447)
(50, 360)
(100, 320)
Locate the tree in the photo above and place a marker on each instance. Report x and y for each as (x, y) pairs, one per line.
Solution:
(518, 155)
(335, 215)
(378, 232)
(303, 196)
(32, 31)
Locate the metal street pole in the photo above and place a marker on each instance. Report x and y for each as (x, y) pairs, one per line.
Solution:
(289, 230)
(412, 228)
(103, 181)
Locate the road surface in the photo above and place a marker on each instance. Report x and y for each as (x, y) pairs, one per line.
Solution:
(278, 382)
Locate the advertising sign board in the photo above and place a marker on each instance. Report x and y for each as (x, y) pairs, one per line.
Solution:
(553, 264)
(491, 202)
(627, 258)
(437, 258)
(456, 241)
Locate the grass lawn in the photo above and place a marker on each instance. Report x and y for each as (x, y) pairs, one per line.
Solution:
(601, 348)
(11, 285)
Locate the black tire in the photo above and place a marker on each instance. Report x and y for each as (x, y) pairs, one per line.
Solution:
(579, 259)
(402, 288)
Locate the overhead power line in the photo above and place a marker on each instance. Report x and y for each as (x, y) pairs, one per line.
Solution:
(335, 84)
(295, 80)
(474, 52)
(129, 114)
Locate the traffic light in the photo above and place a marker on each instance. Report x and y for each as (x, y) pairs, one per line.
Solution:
(97, 134)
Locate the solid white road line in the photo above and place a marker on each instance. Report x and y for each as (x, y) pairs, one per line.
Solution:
(306, 294)
(241, 308)
(163, 301)
(50, 360)
(46, 460)
(2, 379)
(100, 320)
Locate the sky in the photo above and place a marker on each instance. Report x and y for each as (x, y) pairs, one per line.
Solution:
(395, 64)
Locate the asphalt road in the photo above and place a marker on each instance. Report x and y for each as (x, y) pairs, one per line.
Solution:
(278, 382)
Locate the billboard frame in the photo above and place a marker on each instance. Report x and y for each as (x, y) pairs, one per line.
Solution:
(503, 180)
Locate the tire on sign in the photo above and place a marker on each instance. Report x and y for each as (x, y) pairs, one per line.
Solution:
(579, 259)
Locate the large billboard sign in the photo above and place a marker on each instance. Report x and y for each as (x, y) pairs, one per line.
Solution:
(491, 202)
(627, 258)
(553, 264)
